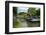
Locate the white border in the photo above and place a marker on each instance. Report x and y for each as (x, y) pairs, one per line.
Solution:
(11, 29)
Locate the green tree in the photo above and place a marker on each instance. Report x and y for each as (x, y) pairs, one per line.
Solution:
(21, 13)
(15, 11)
(32, 11)
(38, 12)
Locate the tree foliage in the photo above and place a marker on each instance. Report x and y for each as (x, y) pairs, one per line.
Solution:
(14, 10)
(38, 12)
(34, 12)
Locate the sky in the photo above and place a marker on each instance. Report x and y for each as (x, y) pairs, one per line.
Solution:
(22, 9)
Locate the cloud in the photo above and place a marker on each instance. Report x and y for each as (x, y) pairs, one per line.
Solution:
(22, 9)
